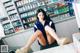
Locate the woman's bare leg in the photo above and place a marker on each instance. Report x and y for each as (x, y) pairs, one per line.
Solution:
(52, 32)
(60, 41)
(25, 48)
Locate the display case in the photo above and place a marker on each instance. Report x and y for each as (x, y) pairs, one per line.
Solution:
(22, 13)
(13, 18)
(27, 11)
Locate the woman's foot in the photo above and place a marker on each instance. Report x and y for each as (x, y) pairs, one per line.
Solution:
(18, 51)
(64, 41)
(23, 50)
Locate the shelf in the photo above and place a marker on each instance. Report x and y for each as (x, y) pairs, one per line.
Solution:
(32, 9)
(10, 10)
(7, 2)
(61, 7)
(54, 15)
(63, 19)
(27, 11)
(55, 2)
(3, 19)
(8, 29)
(16, 0)
(24, 17)
(12, 14)
(16, 23)
(7, 26)
(17, 26)
(29, 22)
(31, 15)
(13, 20)
(28, 16)
(50, 13)
(25, 3)
(5, 22)
(8, 6)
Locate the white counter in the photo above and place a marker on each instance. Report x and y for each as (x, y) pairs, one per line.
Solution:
(63, 29)
(60, 49)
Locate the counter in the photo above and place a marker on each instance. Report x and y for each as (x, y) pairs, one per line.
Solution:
(60, 49)
(63, 28)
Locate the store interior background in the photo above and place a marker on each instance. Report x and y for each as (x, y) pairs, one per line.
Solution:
(65, 26)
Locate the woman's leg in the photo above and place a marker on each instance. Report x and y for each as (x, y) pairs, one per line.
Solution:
(25, 48)
(51, 32)
(60, 41)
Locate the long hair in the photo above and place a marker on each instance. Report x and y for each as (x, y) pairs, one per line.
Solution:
(46, 17)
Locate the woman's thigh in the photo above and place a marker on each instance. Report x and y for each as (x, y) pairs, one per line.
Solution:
(41, 38)
(49, 36)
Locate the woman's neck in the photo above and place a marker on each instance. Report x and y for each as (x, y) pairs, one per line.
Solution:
(42, 21)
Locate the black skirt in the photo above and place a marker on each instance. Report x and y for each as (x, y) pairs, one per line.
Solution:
(49, 46)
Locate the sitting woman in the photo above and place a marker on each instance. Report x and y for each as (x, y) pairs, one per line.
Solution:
(44, 32)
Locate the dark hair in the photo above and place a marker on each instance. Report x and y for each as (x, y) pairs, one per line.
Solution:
(46, 17)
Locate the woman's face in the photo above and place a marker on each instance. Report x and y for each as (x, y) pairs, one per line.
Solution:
(41, 15)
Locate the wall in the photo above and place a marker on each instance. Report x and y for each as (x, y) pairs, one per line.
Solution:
(65, 28)
(2, 9)
(1, 31)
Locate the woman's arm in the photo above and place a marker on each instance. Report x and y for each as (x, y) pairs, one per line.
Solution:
(25, 48)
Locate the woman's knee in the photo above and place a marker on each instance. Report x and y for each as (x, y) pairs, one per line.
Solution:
(47, 28)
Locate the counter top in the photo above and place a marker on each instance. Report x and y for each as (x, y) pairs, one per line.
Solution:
(60, 49)
(14, 34)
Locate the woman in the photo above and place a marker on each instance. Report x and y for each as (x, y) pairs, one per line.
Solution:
(44, 32)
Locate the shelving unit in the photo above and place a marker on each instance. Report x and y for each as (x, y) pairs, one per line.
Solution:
(27, 11)
(22, 14)
(13, 18)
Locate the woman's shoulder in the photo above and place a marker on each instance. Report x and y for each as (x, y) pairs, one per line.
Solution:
(48, 21)
(36, 22)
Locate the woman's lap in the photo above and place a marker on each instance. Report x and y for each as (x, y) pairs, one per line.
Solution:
(49, 46)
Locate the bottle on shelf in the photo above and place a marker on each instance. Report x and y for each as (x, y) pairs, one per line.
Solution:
(24, 21)
(38, 3)
(19, 4)
(31, 6)
(25, 26)
(28, 7)
(24, 9)
(16, 29)
(56, 12)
